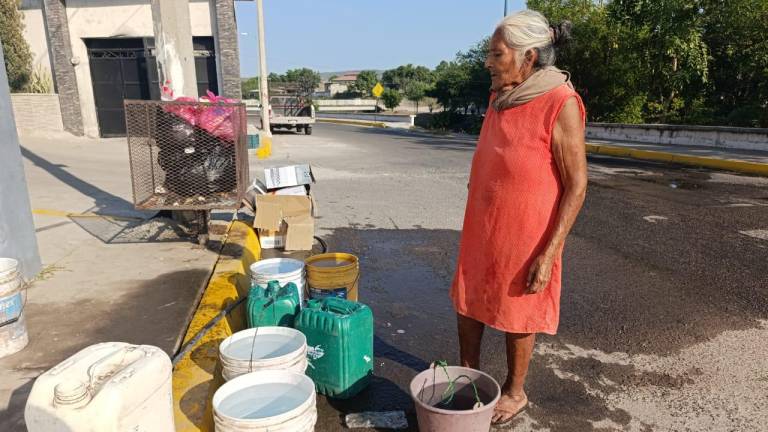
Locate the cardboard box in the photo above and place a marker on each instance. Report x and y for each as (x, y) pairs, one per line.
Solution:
(300, 234)
(272, 239)
(292, 175)
(293, 190)
(288, 214)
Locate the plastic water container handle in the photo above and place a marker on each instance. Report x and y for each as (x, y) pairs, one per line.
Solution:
(337, 305)
(126, 353)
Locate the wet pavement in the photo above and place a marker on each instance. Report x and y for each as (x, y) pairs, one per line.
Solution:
(665, 289)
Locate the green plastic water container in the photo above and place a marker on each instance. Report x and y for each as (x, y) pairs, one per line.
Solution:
(340, 345)
(273, 305)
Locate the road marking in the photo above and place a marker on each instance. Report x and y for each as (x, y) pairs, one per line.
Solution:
(654, 218)
(737, 179)
(761, 234)
(742, 202)
(63, 214)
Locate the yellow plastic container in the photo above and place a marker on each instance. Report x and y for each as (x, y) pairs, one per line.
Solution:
(333, 275)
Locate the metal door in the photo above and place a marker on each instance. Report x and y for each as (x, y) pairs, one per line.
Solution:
(118, 72)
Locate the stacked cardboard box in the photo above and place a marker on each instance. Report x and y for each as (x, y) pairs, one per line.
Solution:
(285, 208)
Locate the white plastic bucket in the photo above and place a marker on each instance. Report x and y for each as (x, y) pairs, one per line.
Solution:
(283, 270)
(266, 401)
(13, 335)
(274, 348)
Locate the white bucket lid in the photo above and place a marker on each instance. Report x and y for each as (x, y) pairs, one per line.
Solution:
(247, 394)
(277, 267)
(237, 348)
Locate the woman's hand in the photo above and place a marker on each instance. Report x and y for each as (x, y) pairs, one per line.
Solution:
(540, 273)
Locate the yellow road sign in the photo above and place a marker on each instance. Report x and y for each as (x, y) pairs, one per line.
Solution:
(377, 90)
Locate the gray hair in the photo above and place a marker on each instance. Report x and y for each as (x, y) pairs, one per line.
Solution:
(529, 30)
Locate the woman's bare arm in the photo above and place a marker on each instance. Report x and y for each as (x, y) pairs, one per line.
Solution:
(569, 152)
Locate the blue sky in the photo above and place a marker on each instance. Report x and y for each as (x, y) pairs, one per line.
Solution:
(339, 35)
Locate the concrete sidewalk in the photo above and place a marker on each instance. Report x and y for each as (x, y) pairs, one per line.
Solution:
(110, 275)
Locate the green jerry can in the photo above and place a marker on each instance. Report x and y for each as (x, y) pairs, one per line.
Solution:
(339, 345)
(273, 305)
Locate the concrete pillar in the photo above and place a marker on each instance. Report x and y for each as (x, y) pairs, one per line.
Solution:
(227, 52)
(63, 70)
(173, 46)
(17, 230)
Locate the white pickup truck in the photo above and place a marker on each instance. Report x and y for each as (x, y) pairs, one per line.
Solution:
(291, 112)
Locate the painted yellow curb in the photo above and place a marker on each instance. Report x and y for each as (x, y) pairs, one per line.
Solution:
(265, 148)
(353, 122)
(702, 161)
(197, 376)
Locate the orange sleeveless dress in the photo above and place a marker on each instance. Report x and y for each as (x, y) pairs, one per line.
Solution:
(514, 195)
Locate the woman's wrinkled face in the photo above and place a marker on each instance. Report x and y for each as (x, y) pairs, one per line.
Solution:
(507, 71)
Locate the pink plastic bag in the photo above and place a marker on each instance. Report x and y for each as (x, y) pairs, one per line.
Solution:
(190, 113)
(218, 120)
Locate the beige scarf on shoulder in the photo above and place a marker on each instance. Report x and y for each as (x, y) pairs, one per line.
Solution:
(540, 82)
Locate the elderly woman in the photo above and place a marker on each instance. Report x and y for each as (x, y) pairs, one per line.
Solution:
(526, 187)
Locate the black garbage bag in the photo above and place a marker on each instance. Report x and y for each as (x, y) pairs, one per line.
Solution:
(218, 168)
(201, 168)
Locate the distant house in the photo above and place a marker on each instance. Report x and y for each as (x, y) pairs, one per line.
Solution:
(340, 84)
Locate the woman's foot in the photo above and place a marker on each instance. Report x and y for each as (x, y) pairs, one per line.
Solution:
(508, 407)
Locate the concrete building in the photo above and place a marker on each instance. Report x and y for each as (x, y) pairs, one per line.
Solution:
(99, 52)
(340, 84)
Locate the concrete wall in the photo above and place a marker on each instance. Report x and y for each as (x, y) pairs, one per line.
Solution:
(116, 18)
(17, 230)
(39, 112)
(368, 105)
(708, 136)
(34, 33)
(347, 104)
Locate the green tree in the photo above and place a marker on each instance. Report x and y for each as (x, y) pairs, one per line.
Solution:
(391, 98)
(305, 79)
(276, 78)
(670, 40)
(451, 82)
(249, 85)
(364, 83)
(603, 59)
(634, 60)
(736, 32)
(402, 77)
(417, 92)
(463, 83)
(18, 58)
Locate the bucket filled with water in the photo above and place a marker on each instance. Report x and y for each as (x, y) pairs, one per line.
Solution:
(263, 348)
(333, 275)
(269, 400)
(454, 399)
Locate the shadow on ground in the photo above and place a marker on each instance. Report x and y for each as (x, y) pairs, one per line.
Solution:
(147, 312)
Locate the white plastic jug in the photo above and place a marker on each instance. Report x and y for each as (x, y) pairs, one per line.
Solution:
(107, 387)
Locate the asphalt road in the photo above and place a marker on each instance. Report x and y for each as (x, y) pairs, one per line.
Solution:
(665, 287)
